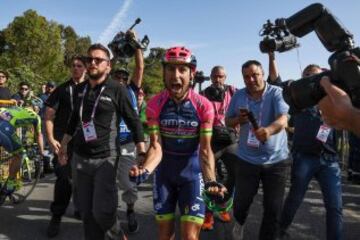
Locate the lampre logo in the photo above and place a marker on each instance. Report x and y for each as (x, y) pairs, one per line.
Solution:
(178, 123)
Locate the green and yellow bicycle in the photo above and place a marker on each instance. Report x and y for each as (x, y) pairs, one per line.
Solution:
(27, 178)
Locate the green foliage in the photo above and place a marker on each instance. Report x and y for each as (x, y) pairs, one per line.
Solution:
(35, 49)
(153, 75)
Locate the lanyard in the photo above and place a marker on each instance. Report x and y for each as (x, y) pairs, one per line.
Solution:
(95, 105)
(71, 98)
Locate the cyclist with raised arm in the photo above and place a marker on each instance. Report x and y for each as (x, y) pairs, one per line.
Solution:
(180, 127)
(12, 118)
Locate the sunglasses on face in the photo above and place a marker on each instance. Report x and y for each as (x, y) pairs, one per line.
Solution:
(24, 89)
(97, 60)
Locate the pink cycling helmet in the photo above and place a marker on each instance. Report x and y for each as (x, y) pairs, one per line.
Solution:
(180, 55)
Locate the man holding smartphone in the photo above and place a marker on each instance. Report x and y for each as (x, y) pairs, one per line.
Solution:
(262, 149)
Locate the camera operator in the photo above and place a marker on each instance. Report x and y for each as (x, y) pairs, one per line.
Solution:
(337, 109)
(220, 95)
(314, 155)
(125, 143)
(262, 150)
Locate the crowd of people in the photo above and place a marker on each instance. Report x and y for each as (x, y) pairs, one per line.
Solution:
(105, 137)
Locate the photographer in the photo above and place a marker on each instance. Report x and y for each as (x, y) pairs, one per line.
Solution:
(220, 95)
(125, 143)
(337, 109)
(314, 155)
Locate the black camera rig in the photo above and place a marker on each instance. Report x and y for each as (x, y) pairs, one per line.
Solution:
(276, 38)
(199, 79)
(123, 46)
(344, 62)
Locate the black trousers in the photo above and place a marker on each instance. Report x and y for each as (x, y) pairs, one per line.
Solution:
(98, 198)
(273, 179)
(229, 159)
(63, 186)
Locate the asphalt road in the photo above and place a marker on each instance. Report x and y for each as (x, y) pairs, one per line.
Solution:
(28, 221)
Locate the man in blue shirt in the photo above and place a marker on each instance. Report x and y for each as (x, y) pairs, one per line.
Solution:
(262, 149)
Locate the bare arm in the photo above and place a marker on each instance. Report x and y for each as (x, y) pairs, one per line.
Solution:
(139, 68)
(63, 157)
(263, 133)
(137, 76)
(337, 109)
(40, 142)
(153, 156)
(49, 128)
(207, 160)
(273, 70)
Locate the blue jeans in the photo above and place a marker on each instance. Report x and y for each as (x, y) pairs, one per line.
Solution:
(326, 170)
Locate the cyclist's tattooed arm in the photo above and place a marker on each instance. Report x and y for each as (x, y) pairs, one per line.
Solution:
(207, 159)
(153, 156)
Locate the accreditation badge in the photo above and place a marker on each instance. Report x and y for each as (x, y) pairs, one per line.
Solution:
(323, 133)
(252, 141)
(89, 131)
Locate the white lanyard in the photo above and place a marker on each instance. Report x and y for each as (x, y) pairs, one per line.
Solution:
(95, 105)
(71, 98)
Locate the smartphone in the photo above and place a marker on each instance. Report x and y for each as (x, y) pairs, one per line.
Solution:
(243, 110)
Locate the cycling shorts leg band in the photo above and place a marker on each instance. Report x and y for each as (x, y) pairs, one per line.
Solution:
(165, 217)
(193, 219)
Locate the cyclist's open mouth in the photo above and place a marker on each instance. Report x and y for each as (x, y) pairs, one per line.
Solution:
(176, 88)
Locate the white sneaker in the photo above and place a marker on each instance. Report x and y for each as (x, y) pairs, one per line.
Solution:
(238, 231)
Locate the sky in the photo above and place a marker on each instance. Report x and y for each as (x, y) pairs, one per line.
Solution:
(218, 32)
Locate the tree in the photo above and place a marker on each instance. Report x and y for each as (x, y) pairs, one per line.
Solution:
(33, 41)
(35, 49)
(73, 44)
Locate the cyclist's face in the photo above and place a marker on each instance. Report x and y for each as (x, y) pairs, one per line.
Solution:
(177, 80)
(253, 78)
(218, 77)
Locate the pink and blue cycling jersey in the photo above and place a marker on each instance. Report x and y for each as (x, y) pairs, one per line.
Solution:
(180, 126)
(178, 178)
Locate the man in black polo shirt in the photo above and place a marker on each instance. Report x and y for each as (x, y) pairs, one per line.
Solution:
(59, 107)
(100, 103)
(4, 91)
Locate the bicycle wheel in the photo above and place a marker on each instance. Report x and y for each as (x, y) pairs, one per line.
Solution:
(29, 176)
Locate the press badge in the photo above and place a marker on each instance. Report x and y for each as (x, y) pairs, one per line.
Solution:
(252, 141)
(89, 131)
(323, 133)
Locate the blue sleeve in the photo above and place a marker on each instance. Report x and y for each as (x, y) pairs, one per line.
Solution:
(232, 109)
(281, 106)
